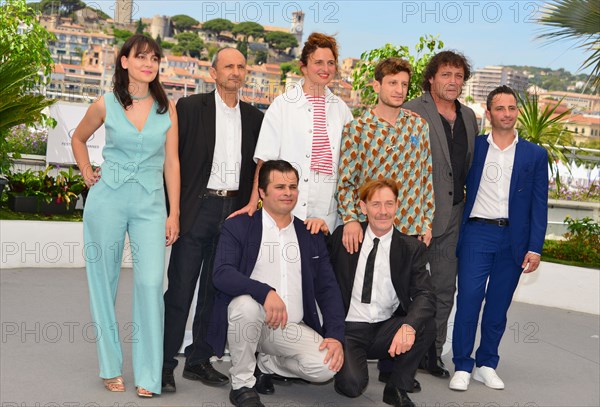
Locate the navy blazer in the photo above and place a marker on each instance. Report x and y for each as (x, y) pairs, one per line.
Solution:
(527, 199)
(236, 256)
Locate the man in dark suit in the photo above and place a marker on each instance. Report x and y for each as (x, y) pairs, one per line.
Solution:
(270, 274)
(452, 131)
(217, 137)
(502, 235)
(388, 298)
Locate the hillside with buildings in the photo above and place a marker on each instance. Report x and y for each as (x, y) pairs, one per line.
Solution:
(87, 42)
(556, 79)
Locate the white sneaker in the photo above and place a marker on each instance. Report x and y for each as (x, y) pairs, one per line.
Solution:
(460, 380)
(488, 376)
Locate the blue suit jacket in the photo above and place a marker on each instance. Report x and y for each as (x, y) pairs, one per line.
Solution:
(527, 199)
(236, 255)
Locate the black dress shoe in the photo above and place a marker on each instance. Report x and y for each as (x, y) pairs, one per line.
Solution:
(437, 368)
(245, 397)
(416, 387)
(384, 377)
(285, 381)
(168, 381)
(206, 373)
(264, 382)
(396, 397)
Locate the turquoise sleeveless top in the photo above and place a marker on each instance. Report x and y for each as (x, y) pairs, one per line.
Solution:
(131, 155)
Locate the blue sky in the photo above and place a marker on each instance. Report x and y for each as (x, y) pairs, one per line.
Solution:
(488, 32)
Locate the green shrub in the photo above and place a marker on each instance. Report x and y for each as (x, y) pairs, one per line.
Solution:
(64, 187)
(582, 244)
(23, 139)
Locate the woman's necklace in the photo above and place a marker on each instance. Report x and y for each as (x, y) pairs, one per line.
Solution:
(140, 98)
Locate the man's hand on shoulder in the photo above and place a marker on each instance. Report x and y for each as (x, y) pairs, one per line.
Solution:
(276, 313)
(250, 208)
(314, 225)
(403, 340)
(353, 236)
(335, 353)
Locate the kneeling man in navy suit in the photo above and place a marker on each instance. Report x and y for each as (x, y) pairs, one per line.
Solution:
(502, 235)
(270, 273)
(388, 298)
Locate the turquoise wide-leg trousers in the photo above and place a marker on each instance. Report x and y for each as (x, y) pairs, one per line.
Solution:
(108, 215)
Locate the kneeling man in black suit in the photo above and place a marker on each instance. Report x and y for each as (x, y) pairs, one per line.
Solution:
(388, 298)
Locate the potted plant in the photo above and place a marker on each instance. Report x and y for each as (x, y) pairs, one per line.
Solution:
(38, 191)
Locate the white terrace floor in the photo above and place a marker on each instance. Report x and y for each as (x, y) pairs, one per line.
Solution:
(549, 357)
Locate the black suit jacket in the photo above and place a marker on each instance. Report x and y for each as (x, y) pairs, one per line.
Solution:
(197, 125)
(409, 275)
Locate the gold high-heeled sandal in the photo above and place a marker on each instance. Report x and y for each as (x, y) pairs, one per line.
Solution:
(116, 384)
(141, 392)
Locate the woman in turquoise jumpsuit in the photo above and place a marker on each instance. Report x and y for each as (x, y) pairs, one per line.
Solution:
(127, 196)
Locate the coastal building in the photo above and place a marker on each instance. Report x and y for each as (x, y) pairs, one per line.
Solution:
(486, 79)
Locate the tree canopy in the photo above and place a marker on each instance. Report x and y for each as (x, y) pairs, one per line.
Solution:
(261, 57)
(286, 67)
(281, 41)
(363, 74)
(188, 43)
(217, 25)
(140, 26)
(184, 22)
(242, 46)
(62, 7)
(121, 35)
(248, 29)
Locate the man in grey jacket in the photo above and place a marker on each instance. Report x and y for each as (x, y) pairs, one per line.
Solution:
(452, 131)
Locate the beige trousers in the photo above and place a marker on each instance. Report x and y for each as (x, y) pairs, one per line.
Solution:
(290, 352)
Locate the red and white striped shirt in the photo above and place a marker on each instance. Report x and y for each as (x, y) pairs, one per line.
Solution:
(321, 160)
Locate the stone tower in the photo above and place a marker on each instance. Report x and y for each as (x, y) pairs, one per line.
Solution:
(123, 11)
(297, 30)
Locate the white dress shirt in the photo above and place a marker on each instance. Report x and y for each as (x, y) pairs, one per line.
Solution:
(279, 265)
(286, 134)
(384, 300)
(491, 201)
(227, 159)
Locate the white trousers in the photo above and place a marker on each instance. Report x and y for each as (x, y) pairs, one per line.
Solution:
(290, 352)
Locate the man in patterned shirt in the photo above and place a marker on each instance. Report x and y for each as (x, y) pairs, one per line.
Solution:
(387, 142)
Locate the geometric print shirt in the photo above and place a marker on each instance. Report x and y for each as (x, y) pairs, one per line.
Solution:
(372, 148)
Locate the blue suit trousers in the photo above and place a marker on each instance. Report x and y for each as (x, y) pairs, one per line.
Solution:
(486, 270)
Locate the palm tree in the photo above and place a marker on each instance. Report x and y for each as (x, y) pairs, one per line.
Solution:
(544, 128)
(18, 104)
(577, 20)
(25, 65)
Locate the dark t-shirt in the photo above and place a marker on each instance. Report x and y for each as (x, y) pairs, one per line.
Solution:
(456, 137)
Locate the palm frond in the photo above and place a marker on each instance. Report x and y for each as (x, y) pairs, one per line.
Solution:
(573, 18)
(544, 128)
(577, 20)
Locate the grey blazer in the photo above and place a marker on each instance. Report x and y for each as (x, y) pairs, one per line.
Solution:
(443, 182)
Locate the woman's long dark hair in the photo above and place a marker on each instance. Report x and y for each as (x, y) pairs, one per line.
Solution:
(141, 44)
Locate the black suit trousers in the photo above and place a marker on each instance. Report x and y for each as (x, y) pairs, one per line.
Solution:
(372, 341)
(192, 256)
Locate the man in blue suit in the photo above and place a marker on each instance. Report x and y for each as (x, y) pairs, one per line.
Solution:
(270, 273)
(502, 235)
